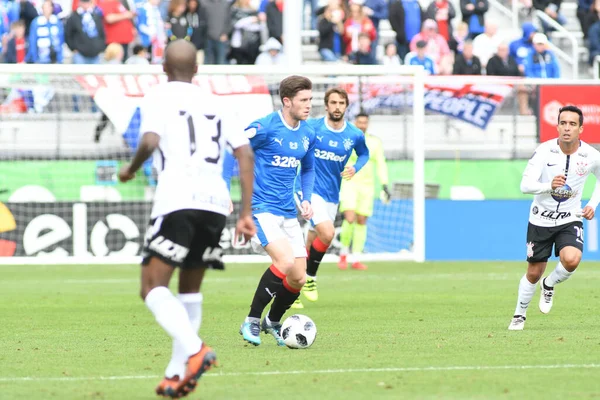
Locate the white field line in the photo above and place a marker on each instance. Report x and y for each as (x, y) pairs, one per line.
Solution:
(303, 372)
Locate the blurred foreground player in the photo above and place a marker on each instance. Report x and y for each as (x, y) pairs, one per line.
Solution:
(184, 127)
(556, 175)
(357, 197)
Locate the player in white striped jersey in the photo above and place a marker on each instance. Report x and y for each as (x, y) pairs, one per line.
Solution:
(556, 175)
(184, 127)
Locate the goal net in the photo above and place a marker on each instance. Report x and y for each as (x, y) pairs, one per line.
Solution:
(66, 129)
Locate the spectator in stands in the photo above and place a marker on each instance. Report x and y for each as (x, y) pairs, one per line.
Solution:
(377, 10)
(271, 54)
(151, 29)
(336, 4)
(466, 63)
(356, 24)
(196, 18)
(591, 17)
(542, 62)
(520, 48)
(84, 34)
(10, 11)
(363, 56)
(486, 44)
(583, 7)
(502, 63)
(436, 47)
(443, 12)
(275, 19)
(420, 57)
(218, 25)
(594, 41)
(46, 37)
(459, 37)
(552, 9)
(26, 12)
(331, 29)
(245, 36)
(139, 57)
(4, 30)
(114, 54)
(390, 56)
(16, 47)
(177, 24)
(118, 23)
(473, 14)
(313, 5)
(405, 17)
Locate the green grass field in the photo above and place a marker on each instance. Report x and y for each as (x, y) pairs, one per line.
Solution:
(397, 331)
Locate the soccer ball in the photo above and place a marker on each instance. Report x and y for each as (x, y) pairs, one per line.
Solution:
(298, 331)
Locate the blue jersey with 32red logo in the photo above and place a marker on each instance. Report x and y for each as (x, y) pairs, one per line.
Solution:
(332, 151)
(278, 151)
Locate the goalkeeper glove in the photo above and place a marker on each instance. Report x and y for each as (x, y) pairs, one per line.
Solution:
(385, 196)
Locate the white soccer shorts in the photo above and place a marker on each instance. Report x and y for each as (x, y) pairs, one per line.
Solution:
(322, 211)
(271, 227)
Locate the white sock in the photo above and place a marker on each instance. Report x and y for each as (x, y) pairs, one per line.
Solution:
(560, 274)
(172, 316)
(193, 305)
(314, 278)
(526, 291)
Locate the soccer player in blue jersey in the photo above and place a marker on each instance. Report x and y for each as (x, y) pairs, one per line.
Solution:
(336, 139)
(282, 141)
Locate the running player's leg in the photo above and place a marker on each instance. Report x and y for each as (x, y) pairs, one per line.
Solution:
(569, 247)
(324, 214)
(293, 282)
(346, 234)
(348, 201)
(191, 298)
(539, 249)
(167, 246)
(364, 209)
(272, 238)
(205, 253)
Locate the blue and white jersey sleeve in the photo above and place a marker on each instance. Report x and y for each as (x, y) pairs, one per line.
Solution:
(362, 151)
(257, 133)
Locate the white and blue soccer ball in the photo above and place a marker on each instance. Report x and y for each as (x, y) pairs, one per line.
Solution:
(298, 331)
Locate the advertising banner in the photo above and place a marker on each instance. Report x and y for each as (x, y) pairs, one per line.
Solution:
(473, 103)
(552, 98)
(107, 229)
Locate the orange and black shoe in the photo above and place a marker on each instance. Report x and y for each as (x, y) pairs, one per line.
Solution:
(197, 365)
(360, 266)
(167, 387)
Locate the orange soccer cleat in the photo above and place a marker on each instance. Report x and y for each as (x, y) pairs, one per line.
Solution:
(197, 365)
(360, 266)
(167, 386)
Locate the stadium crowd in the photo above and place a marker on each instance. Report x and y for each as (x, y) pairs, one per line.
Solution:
(440, 37)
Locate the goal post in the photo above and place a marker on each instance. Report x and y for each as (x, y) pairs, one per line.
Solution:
(65, 130)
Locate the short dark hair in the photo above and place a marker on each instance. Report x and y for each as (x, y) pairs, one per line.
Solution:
(290, 86)
(337, 90)
(137, 49)
(362, 114)
(574, 109)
